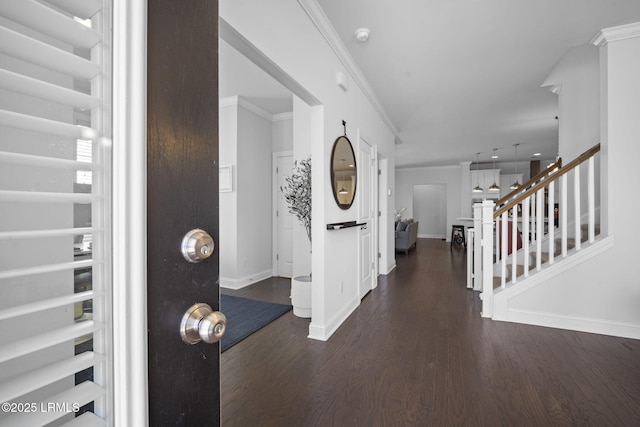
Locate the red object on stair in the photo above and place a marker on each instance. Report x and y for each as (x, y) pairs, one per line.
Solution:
(509, 237)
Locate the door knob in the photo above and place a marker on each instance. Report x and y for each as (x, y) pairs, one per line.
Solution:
(197, 245)
(201, 323)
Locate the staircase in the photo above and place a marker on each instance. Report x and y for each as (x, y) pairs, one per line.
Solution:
(535, 229)
(544, 256)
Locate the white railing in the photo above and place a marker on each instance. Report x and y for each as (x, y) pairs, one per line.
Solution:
(519, 235)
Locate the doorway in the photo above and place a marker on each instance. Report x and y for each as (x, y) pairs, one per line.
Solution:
(430, 209)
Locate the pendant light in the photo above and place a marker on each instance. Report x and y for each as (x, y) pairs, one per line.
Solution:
(494, 187)
(477, 188)
(516, 184)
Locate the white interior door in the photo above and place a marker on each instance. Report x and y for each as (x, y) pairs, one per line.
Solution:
(55, 197)
(366, 214)
(284, 219)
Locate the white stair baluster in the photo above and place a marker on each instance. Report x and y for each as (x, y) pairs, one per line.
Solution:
(503, 249)
(576, 207)
(564, 213)
(591, 200)
(525, 234)
(539, 222)
(550, 221)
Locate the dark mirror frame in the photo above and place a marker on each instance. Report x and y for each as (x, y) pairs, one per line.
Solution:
(342, 152)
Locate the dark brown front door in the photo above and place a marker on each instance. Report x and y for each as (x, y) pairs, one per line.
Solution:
(182, 173)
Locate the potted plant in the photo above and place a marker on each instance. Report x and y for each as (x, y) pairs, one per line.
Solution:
(297, 195)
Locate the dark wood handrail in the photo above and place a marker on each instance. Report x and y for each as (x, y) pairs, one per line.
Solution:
(551, 169)
(570, 166)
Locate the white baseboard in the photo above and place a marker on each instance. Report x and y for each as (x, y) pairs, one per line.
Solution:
(242, 282)
(390, 268)
(324, 332)
(595, 326)
(431, 236)
(502, 310)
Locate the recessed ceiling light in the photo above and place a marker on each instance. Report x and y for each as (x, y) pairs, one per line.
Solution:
(362, 34)
(537, 154)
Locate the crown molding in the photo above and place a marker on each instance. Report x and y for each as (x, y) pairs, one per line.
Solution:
(282, 116)
(242, 102)
(614, 34)
(555, 89)
(320, 20)
(229, 101)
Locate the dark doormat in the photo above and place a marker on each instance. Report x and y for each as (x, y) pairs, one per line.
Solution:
(246, 316)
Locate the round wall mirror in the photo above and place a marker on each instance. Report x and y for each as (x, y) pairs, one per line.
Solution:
(343, 172)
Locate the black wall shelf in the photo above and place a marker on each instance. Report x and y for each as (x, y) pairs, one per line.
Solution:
(347, 224)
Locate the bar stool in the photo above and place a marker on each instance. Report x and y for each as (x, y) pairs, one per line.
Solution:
(457, 236)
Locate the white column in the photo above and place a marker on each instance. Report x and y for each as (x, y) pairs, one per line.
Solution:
(477, 247)
(487, 258)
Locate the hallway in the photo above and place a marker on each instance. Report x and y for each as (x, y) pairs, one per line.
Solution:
(417, 353)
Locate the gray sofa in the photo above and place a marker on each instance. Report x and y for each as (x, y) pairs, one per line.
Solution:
(406, 235)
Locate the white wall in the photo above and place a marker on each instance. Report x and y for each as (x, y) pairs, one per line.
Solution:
(576, 78)
(303, 53)
(449, 176)
(254, 196)
(228, 156)
(429, 208)
(603, 294)
(282, 133)
(245, 213)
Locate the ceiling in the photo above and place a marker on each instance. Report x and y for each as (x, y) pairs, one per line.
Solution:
(457, 77)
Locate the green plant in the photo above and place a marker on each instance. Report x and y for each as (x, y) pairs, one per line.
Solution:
(297, 193)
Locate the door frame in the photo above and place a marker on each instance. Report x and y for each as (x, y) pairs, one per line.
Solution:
(375, 207)
(129, 217)
(274, 207)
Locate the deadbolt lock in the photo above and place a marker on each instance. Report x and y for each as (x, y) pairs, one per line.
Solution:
(197, 245)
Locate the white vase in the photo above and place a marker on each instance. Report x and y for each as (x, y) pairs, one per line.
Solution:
(301, 296)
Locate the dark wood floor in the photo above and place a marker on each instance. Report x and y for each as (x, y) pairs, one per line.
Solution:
(417, 353)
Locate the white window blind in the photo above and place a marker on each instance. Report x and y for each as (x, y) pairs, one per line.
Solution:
(55, 195)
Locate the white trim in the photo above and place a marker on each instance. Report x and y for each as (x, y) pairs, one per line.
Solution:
(253, 54)
(130, 382)
(574, 323)
(274, 208)
(322, 23)
(280, 117)
(432, 236)
(613, 34)
(244, 281)
(324, 332)
(400, 168)
(390, 268)
(239, 101)
(225, 178)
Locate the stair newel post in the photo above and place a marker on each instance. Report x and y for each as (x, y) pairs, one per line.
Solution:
(487, 258)
(477, 247)
(551, 225)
